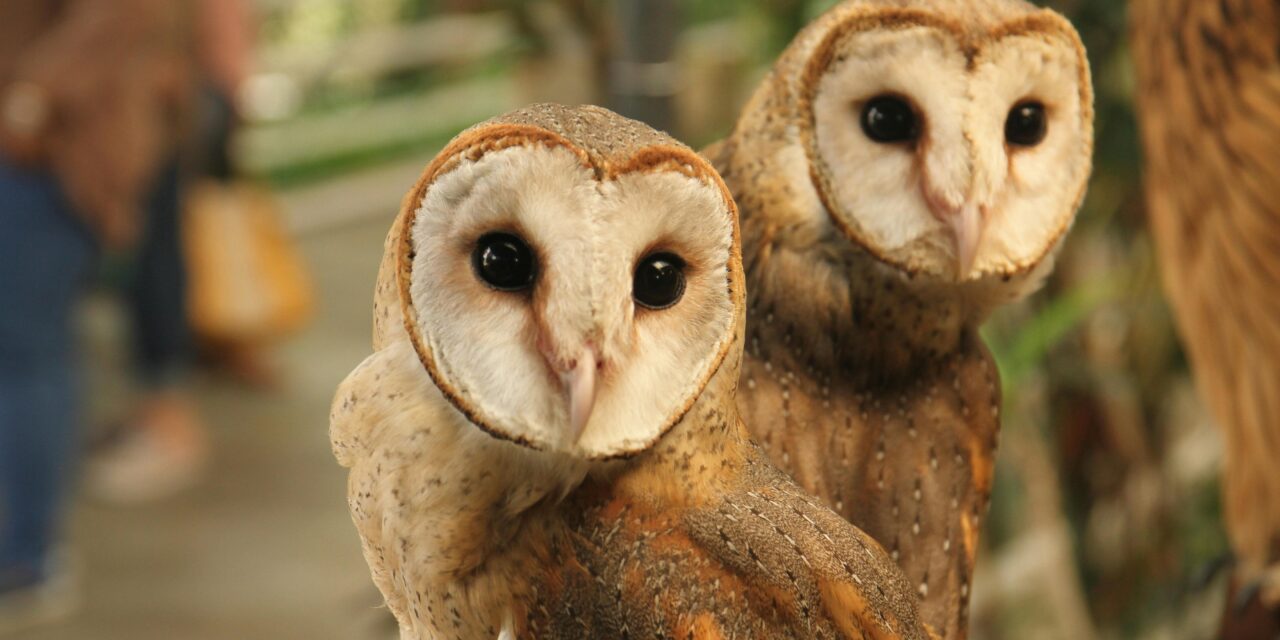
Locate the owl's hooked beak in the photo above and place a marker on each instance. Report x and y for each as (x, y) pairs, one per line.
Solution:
(580, 383)
(967, 224)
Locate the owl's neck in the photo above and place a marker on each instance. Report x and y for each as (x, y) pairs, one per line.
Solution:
(817, 299)
(822, 303)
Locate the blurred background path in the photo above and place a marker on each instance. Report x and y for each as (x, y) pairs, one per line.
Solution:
(264, 546)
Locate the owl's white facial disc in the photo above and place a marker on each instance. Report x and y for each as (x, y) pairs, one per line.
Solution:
(941, 187)
(519, 363)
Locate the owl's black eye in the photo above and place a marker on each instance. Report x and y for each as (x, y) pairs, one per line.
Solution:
(503, 261)
(659, 281)
(1026, 126)
(889, 119)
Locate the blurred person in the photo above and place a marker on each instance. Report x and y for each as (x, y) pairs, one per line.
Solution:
(225, 38)
(89, 96)
(161, 447)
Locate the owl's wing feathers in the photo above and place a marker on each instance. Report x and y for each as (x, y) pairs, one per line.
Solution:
(778, 535)
(377, 426)
(763, 560)
(355, 422)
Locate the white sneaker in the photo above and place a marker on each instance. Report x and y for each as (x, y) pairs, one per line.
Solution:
(140, 468)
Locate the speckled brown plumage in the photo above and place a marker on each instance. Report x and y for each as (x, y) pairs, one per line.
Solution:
(1209, 109)
(886, 408)
(753, 558)
(864, 380)
(469, 536)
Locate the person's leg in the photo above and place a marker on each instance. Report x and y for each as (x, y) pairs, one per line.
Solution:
(158, 295)
(44, 254)
(160, 448)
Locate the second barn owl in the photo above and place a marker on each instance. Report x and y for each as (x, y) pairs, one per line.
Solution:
(904, 169)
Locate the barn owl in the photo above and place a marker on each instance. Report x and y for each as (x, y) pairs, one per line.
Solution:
(545, 442)
(904, 169)
(1208, 101)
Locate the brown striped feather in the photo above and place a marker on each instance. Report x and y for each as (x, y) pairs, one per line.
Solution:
(1209, 104)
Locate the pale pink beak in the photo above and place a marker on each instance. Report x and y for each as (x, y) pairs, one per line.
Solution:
(580, 382)
(966, 226)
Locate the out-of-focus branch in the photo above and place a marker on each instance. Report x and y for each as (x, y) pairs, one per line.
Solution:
(1042, 558)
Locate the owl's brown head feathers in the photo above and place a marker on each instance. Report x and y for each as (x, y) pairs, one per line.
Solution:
(950, 140)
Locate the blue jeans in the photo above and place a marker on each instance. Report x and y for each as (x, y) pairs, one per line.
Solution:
(157, 289)
(45, 252)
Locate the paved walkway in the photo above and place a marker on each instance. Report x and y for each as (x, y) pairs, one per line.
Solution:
(264, 548)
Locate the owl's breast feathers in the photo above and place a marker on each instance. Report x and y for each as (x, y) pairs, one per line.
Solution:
(878, 397)
(910, 462)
